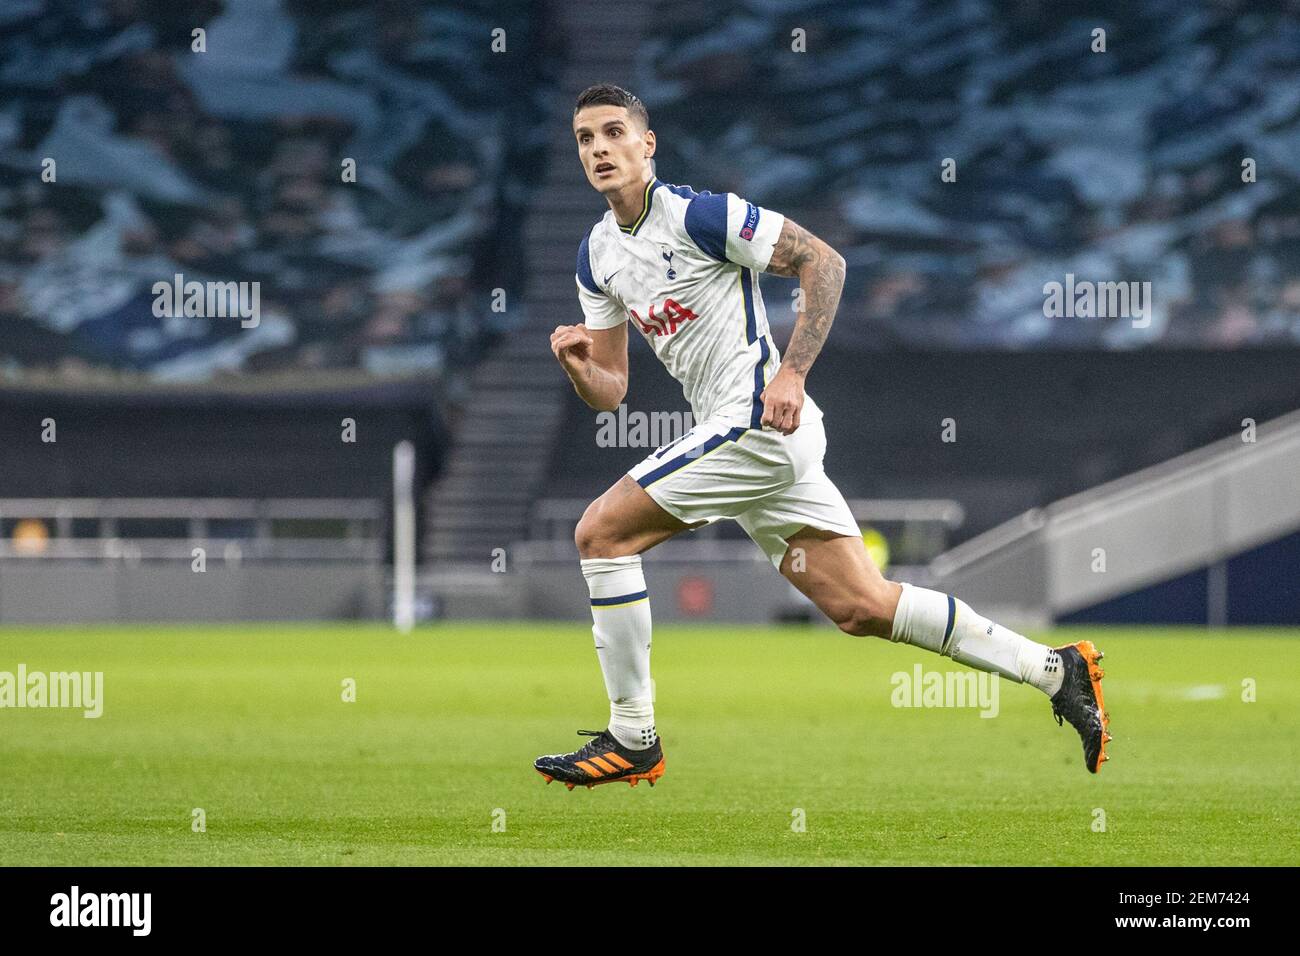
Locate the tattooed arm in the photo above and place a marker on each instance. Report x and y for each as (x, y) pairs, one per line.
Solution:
(820, 270)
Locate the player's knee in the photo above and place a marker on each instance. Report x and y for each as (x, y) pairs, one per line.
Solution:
(586, 533)
(592, 535)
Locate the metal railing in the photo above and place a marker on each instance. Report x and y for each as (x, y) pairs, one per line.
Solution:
(233, 529)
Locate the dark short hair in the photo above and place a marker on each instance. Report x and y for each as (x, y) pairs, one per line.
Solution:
(607, 94)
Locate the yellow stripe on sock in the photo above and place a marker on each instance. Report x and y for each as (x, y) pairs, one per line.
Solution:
(606, 607)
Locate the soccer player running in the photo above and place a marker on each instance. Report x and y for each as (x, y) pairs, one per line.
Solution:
(683, 266)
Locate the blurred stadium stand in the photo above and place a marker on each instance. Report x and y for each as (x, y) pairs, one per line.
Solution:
(378, 296)
(1124, 164)
(227, 164)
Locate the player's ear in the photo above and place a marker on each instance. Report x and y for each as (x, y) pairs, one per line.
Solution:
(649, 137)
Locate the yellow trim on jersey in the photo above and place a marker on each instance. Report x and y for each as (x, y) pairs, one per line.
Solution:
(645, 208)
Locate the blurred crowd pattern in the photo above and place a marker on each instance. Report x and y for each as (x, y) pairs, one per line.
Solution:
(1124, 165)
(229, 165)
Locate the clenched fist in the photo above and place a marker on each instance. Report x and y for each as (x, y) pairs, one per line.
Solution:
(783, 401)
(572, 347)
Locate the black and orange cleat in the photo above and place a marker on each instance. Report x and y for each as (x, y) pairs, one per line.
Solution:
(603, 760)
(1080, 701)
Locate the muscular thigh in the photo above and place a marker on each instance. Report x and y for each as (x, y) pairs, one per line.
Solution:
(835, 572)
(624, 520)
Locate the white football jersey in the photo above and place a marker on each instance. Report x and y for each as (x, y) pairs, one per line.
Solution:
(686, 274)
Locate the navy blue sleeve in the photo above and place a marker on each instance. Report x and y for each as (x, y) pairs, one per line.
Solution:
(584, 266)
(706, 224)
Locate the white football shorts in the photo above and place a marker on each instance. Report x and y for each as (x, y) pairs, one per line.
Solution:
(771, 484)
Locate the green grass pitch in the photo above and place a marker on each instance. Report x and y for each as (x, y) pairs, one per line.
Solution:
(761, 727)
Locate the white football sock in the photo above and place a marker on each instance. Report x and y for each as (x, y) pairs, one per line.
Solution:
(948, 626)
(620, 609)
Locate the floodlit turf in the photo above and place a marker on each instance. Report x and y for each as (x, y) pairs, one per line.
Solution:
(762, 727)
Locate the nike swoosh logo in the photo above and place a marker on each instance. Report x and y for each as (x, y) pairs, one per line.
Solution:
(611, 275)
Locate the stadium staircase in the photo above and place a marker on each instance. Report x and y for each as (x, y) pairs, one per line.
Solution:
(513, 412)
